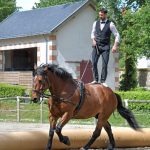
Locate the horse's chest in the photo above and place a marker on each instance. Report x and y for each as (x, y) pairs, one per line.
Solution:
(57, 109)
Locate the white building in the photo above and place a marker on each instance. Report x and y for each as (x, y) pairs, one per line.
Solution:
(57, 34)
(143, 63)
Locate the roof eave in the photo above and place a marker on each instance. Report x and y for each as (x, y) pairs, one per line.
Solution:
(89, 2)
(25, 35)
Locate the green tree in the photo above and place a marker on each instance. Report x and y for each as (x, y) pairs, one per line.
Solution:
(132, 19)
(6, 8)
(135, 43)
(46, 3)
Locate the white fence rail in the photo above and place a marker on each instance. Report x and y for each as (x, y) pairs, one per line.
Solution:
(127, 101)
(18, 108)
(41, 110)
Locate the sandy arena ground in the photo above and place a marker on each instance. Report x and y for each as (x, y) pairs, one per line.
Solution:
(13, 127)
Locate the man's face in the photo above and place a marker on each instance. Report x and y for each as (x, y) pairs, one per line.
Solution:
(102, 15)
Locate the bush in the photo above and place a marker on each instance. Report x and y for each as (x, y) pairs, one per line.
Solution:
(137, 94)
(7, 90)
(128, 79)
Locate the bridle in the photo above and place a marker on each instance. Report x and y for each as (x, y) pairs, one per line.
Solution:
(41, 91)
(55, 97)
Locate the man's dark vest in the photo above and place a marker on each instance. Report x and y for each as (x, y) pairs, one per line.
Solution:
(103, 36)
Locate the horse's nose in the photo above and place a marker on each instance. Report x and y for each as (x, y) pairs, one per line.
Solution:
(35, 100)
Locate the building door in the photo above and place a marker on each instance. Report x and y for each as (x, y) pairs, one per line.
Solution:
(86, 71)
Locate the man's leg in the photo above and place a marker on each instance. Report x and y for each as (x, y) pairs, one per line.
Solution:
(95, 58)
(105, 59)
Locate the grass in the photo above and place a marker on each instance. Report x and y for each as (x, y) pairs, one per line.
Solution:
(32, 113)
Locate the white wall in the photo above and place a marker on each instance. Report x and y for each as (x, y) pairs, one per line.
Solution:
(73, 39)
(20, 42)
(143, 63)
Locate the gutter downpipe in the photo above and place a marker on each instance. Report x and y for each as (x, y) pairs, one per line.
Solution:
(46, 41)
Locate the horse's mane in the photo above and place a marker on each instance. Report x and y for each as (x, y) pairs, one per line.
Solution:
(56, 70)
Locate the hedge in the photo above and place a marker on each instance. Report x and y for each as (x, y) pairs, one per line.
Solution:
(137, 94)
(7, 90)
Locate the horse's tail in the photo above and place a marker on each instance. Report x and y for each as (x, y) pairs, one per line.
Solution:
(126, 113)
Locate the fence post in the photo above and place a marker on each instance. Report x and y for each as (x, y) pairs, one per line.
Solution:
(126, 103)
(126, 106)
(18, 109)
(41, 112)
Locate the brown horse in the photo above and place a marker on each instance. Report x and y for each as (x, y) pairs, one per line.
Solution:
(70, 99)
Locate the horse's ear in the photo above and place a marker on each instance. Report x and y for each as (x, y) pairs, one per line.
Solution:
(35, 66)
(46, 68)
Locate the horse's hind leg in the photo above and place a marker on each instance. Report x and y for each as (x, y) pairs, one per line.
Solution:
(107, 128)
(95, 135)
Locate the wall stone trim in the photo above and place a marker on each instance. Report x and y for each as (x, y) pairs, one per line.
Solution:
(52, 37)
(52, 51)
(77, 70)
(38, 56)
(1, 60)
(116, 57)
(52, 58)
(52, 47)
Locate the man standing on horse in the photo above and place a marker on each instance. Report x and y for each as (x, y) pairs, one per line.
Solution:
(100, 35)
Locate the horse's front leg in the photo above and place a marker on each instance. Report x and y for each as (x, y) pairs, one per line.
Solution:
(53, 122)
(65, 118)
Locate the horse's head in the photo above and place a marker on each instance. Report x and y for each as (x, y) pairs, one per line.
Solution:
(40, 83)
(44, 79)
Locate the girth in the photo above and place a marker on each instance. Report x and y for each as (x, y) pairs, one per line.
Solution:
(82, 96)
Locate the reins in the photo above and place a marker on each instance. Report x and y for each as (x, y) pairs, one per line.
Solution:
(88, 63)
(65, 100)
(85, 68)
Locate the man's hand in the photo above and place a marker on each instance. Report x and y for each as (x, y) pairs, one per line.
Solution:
(93, 42)
(115, 48)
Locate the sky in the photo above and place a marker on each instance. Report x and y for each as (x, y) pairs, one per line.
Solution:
(26, 4)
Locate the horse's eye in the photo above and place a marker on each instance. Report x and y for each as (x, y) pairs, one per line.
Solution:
(40, 81)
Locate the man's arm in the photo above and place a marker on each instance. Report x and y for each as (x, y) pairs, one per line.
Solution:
(117, 37)
(93, 34)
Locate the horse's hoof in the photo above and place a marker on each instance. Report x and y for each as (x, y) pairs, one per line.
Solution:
(66, 140)
(110, 147)
(82, 148)
(48, 149)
